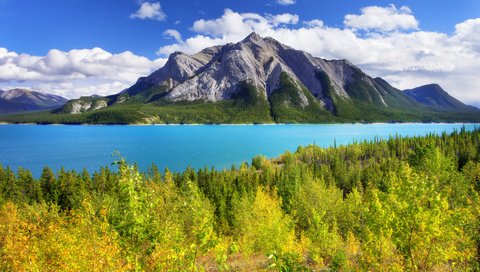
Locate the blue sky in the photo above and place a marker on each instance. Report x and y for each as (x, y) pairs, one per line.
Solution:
(36, 26)
(80, 47)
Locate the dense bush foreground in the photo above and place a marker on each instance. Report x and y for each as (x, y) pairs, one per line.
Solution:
(403, 204)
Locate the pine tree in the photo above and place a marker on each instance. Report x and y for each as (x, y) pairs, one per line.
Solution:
(49, 186)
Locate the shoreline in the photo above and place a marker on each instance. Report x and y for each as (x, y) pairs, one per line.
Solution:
(245, 124)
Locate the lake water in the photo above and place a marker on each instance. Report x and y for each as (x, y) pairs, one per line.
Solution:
(176, 147)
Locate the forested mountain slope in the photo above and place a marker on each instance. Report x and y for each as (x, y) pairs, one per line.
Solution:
(256, 80)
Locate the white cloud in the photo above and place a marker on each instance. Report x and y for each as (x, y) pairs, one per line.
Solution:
(74, 73)
(286, 2)
(314, 23)
(231, 27)
(406, 59)
(149, 10)
(468, 33)
(285, 18)
(174, 34)
(382, 19)
(231, 23)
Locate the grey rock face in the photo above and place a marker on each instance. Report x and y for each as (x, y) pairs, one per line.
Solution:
(214, 73)
(79, 106)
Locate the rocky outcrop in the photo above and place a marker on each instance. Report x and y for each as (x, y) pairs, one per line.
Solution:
(260, 80)
(81, 106)
(215, 73)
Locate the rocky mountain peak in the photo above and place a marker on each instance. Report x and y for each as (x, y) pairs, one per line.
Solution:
(259, 80)
(13, 93)
(257, 44)
(215, 74)
(252, 37)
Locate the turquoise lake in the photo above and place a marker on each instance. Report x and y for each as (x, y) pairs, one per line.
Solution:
(176, 147)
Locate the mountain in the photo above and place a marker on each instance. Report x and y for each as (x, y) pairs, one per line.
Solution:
(257, 80)
(293, 82)
(18, 100)
(432, 95)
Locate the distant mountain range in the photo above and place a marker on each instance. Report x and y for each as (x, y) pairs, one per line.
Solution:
(20, 100)
(432, 95)
(260, 80)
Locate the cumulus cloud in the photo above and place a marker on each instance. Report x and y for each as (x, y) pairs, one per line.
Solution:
(231, 27)
(382, 19)
(285, 18)
(149, 10)
(74, 73)
(402, 53)
(467, 32)
(173, 34)
(405, 58)
(286, 2)
(314, 23)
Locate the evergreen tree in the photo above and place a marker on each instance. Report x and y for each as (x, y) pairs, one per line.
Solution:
(31, 189)
(48, 184)
(10, 188)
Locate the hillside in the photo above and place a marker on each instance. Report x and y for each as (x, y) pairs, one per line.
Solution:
(432, 95)
(257, 80)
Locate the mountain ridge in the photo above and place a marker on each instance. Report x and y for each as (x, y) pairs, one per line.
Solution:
(215, 73)
(434, 96)
(256, 80)
(18, 100)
